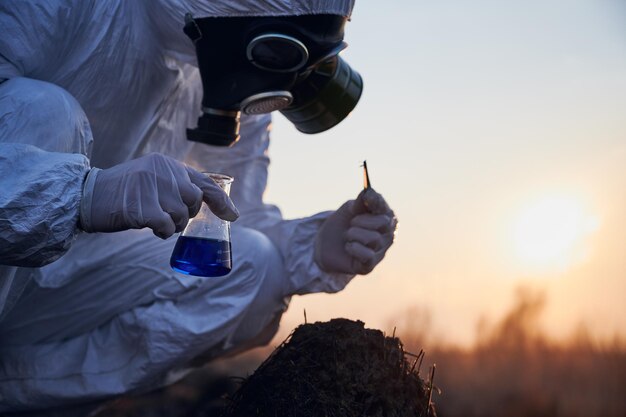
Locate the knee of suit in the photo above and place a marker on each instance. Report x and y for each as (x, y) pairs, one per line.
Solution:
(261, 263)
(254, 251)
(43, 114)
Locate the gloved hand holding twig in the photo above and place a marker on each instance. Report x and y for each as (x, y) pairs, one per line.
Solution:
(355, 238)
(152, 191)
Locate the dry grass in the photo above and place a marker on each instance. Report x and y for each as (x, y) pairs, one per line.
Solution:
(515, 370)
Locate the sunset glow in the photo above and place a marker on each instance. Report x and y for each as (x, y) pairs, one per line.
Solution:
(551, 232)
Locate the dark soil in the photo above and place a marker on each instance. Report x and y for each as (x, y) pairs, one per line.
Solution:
(335, 369)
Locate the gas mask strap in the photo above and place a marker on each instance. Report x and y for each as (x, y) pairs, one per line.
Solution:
(191, 28)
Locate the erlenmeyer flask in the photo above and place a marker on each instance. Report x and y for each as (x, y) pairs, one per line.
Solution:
(204, 248)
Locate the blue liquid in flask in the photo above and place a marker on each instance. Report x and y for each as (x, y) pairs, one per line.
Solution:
(201, 257)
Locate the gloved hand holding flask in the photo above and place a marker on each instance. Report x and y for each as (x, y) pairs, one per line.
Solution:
(355, 238)
(152, 191)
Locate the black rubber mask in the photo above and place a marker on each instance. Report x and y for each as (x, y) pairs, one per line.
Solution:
(258, 65)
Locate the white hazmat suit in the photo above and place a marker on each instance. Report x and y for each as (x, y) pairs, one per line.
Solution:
(84, 316)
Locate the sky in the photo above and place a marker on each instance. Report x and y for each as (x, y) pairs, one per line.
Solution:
(496, 130)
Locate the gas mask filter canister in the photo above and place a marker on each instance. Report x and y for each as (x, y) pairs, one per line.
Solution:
(257, 65)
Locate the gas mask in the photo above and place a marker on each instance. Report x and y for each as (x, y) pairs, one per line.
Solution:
(256, 65)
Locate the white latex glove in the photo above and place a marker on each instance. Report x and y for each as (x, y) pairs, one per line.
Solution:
(153, 191)
(355, 238)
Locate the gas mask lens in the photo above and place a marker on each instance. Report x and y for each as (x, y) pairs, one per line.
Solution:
(276, 52)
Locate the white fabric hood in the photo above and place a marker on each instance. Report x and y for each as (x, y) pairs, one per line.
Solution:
(231, 8)
(169, 15)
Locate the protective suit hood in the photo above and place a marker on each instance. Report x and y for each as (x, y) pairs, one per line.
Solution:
(232, 8)
(169, 16)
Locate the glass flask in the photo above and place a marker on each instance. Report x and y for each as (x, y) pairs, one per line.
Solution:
(204, 248)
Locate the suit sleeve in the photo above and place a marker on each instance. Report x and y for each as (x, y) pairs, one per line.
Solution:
(44, 140)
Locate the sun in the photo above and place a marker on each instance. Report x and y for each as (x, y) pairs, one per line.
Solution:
(551, 232)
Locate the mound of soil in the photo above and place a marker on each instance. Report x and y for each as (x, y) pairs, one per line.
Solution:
(335, 369)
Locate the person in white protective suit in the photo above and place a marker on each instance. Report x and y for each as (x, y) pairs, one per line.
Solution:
(97, 102)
